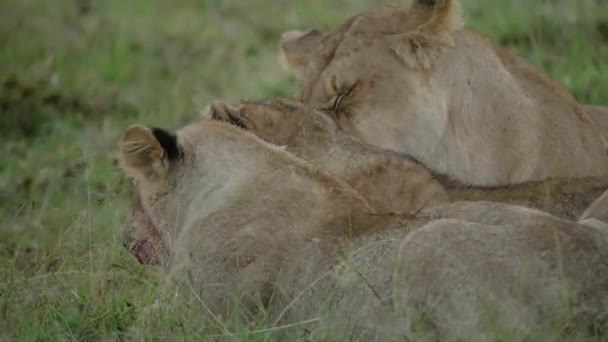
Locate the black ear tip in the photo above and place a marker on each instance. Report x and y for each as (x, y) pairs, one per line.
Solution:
(168, 141)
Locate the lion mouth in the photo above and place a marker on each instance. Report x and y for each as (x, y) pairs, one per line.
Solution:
(144, 252)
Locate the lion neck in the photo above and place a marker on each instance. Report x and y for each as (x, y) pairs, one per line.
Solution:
(506, 122)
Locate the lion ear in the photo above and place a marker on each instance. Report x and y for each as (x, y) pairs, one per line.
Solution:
(426, 43)
(220, 111)
(296, 48)
(146, 152)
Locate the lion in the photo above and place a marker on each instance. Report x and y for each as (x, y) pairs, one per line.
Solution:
(412, 79)
(246, 224)
(599, 116)
(391, 182)
(524, 266)
(230, 209)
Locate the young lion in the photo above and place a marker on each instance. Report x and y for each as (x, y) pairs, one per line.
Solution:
(412, 79)
(391, 182)
(232, 211)
(241, 218)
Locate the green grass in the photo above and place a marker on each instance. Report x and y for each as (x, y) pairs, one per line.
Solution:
(74, 73)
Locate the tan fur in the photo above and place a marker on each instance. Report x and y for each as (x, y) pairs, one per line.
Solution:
(502, 271)
(243, 219)
(599, 116)
(392, 182)
(215, 203)
(410, 79)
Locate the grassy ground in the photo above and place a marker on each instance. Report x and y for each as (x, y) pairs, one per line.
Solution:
(74, 73)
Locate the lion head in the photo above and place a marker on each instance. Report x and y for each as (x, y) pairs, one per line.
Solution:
(305, 132)
(211, 169)
(412, 79)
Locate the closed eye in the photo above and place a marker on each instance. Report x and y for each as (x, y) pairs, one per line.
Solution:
(338, 101)
(236, 121)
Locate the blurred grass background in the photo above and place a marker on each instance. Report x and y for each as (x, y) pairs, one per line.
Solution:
(74, 73)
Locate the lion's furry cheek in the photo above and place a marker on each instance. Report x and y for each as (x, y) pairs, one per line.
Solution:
(425, 128)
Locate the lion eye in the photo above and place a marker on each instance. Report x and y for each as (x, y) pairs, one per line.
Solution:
(338, 100)
(236, 121)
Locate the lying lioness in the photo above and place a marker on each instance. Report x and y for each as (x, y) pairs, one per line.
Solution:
(239, 218)
(391, 182)
(412, 79)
